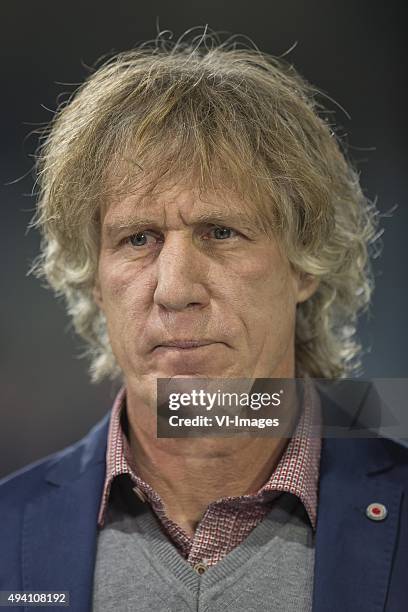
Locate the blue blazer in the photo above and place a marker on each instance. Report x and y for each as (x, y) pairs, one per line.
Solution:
(48, 523)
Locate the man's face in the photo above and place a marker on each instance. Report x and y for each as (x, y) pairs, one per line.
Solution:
(177, 267)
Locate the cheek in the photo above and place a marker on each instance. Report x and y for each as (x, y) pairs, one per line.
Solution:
(123, 286)
(266, 276)
(125, 296)
(264, 299)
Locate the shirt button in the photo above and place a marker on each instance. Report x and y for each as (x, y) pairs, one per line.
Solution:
(140, 494)
(200, 567)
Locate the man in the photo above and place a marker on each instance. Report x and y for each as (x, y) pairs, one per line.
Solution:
(201, 221)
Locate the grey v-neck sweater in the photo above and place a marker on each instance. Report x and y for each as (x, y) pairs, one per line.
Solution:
(139, 569)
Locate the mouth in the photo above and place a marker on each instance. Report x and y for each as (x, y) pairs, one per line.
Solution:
(183, 345)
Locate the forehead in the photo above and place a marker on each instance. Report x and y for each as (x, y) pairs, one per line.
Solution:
(183, 201)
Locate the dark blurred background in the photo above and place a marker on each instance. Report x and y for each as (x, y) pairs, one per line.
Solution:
(354, 51)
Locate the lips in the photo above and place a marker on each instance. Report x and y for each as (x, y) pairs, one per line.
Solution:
(184, 344)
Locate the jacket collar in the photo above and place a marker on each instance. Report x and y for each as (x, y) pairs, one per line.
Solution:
(73, 462)
(353, 554)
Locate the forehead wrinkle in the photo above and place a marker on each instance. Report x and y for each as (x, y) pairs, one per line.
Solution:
(134, 211)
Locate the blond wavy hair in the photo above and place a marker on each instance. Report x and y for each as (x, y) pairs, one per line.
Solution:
(227, 117)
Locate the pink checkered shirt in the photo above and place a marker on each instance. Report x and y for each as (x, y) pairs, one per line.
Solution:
(228, 521)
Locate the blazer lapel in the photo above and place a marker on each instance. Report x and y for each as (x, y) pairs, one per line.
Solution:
(60, 526)
(353, 554)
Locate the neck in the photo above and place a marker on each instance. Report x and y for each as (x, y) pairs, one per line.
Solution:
(191, 473)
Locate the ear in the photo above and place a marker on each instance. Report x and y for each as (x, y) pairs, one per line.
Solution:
(306, 286)
(97, 294)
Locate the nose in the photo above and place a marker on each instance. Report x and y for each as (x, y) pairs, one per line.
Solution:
(181, 274)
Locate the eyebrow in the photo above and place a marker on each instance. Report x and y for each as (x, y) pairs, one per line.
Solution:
(206, 218)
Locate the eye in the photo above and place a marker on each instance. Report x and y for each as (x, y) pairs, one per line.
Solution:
(222, 233)
(139, 239)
